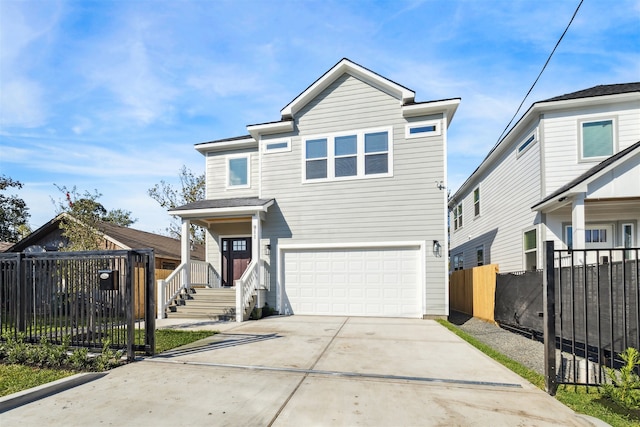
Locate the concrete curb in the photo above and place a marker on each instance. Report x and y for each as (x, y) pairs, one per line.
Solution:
(20, 398)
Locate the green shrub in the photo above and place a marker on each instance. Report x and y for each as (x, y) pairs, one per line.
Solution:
(624, 388)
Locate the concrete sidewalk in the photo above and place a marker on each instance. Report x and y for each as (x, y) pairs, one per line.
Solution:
(307, 371)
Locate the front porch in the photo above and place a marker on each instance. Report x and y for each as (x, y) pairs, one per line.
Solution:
(234, 270)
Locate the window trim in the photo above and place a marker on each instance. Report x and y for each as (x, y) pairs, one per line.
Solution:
(476, 203)
(246, 156)
(614, 139)
(360, 155)
(458, 261)
(528, 251)
(436, 132)
(457, 215)
(529, 141)
(478, 249)
(267, 150)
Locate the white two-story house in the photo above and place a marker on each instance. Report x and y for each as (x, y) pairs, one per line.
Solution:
(568, 171)
(337, 208)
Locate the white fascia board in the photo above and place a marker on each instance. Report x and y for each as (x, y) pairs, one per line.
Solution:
(346, 66)
(447, 107)
(219, 212)
(270, 128)
(227, 145)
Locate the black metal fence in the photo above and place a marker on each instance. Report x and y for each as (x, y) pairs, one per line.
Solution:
(88, 299)
(592, 312)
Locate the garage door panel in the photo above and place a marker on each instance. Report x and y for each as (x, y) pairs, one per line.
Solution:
(358, 282)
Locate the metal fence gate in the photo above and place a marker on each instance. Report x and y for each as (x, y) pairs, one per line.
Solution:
(89, 299)
(591, 312)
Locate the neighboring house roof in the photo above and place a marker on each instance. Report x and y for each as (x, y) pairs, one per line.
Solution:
(590, 175)
(5, 245)
(600, 90)
(124, 237)
(613, 91)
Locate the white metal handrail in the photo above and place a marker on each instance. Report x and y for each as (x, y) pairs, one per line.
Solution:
(246, 287)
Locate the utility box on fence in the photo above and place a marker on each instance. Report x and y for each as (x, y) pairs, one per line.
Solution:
(108, 280)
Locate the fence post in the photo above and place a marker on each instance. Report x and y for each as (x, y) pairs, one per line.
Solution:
(150, 304)
(21, 289)
(549, 320)
(130, 304)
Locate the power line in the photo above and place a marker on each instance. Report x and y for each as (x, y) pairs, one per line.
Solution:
(540, 74)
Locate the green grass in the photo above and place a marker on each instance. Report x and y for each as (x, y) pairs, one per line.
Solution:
(167, 339)
(588, 401)
(15, 378)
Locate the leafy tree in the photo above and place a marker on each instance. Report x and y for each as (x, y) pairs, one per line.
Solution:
(84, 219)
(192, 189)
(14, 213)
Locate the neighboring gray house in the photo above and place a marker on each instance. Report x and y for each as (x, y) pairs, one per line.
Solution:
(568, 171)
(339, 207)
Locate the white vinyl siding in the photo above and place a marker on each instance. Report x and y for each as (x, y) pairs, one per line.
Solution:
(562, 139)
(403, 207)
(217, 175)
(507, 193)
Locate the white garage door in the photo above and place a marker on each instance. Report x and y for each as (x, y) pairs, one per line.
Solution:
(362, 282)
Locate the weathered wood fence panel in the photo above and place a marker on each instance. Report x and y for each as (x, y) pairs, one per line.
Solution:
(472, 291)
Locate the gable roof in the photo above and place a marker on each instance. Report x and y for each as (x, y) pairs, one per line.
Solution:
(404, 94)
(125, 237)
(589, 175)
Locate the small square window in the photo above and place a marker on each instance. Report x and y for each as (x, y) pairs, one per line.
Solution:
(597, 139)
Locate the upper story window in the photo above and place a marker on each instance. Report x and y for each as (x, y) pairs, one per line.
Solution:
(277, 146)
(420, 129)
(359, 154)
(528, 143)
(238, 171)
(476, 201)
(597, 140)
(457, 216)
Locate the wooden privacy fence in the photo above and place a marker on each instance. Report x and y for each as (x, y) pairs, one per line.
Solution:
(472, 291)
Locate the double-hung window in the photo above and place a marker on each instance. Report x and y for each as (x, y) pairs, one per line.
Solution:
(457, 216)
(238, 171)
(348, 155)
(476, 201)
(316, 154)
(530, 245)
(597, 140)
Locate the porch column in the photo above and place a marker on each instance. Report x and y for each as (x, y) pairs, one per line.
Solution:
(578, 225)
(256, 236)
(185, 252)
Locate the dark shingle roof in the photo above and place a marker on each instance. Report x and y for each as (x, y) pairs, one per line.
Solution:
(234, 138)
(588, 174)
(163, 246)
(223, 203)
(600, 90)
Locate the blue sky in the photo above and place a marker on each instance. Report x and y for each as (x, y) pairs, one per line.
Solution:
(112, 95)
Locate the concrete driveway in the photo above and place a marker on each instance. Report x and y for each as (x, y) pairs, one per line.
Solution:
(308, 371)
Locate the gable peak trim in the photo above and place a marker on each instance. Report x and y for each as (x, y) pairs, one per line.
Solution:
(346, 66)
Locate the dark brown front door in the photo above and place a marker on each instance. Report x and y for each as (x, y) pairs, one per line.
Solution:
(236, 256)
